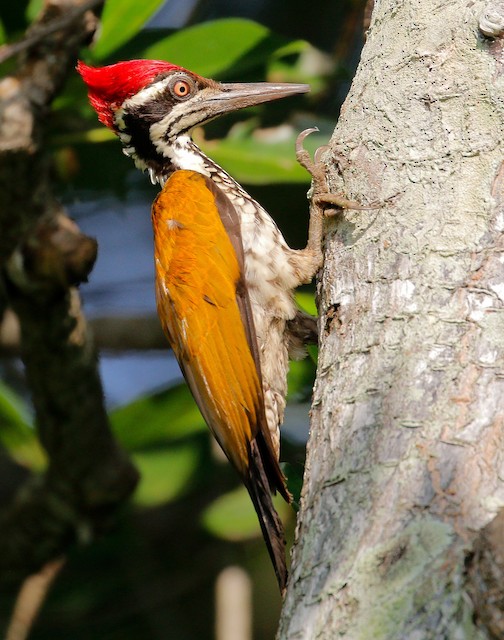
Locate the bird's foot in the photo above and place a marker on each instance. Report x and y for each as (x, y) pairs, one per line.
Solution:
(330, 203)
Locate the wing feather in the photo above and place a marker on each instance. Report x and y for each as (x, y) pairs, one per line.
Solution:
(205, 311)
(231, 221)
(197, 274)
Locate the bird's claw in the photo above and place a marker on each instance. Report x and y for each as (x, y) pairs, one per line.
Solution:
(319, 192)
(320, 195)
(314, 167)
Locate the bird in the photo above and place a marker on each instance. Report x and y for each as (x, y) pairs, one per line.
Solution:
(225, 276)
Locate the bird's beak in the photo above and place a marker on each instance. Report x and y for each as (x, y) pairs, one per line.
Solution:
(233, 96)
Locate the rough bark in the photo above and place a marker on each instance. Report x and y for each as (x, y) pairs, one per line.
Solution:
(486, 576)
(405, 459)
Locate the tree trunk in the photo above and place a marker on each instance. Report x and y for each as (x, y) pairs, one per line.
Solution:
(405, 463)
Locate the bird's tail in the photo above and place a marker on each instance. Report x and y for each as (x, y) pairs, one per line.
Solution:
(260, 491)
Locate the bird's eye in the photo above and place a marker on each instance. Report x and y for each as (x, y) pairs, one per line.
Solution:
(181, 88)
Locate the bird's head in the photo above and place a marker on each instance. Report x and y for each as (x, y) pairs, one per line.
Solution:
(150, 104)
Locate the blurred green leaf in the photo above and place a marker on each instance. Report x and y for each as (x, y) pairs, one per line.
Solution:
(300, 380)
(100, 134)
(136, 46)
(306, 300)
(17, 434)
(3, 35)
(33, 9)
(255, 163)
(313, 353)
(122, 19)
(163, 417)
(213, 48)
(294, 474)
(283, 68)
(233, 517)
(165, 473)
(255, 160)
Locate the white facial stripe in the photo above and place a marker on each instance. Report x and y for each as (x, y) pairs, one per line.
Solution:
(119, 119)
(124, 137)
(155, 91)
(146, 95)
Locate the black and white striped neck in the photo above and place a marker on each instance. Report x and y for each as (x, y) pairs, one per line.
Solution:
(182, 153)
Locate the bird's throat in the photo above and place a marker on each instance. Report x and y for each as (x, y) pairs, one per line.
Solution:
(168, 157)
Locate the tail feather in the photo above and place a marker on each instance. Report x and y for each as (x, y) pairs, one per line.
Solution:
(260, 491)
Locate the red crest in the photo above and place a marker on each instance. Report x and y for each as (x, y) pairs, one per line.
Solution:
(110, 86)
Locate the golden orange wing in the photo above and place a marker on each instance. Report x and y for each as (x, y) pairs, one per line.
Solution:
(197, 273)
(205, 311)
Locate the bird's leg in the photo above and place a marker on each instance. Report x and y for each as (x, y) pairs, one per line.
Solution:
(309, 260)
(322, 202)
(319, 187)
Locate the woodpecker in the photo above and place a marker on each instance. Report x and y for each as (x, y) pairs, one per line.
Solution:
(225, 275)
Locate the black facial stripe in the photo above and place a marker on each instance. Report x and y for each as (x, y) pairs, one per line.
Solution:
(139, 118)
(152, 110)
(174, 121)
(138, 129)
(169, 132)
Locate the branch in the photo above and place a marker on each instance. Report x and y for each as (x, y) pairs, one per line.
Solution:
(111, 333)
(30, 600)
(45, 256)
(42, 32)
